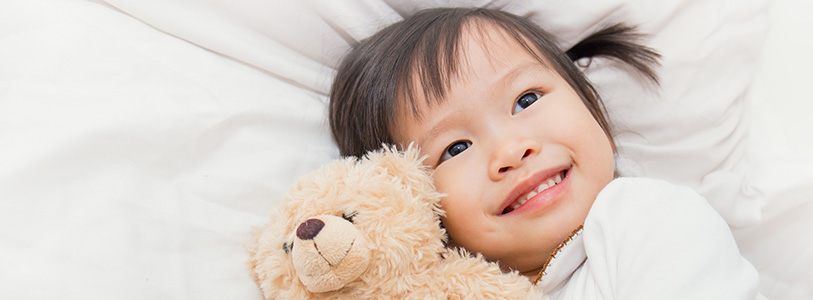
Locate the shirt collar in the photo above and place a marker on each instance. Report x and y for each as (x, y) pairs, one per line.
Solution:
(561, 264)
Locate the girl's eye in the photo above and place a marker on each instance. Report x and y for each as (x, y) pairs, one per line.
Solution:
(526, 100)
(454, 149)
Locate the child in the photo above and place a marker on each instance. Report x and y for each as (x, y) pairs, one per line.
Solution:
(519, 143)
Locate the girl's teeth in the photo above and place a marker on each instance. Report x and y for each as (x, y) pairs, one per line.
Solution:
(551, 182)
(519, 202)
(543, 187)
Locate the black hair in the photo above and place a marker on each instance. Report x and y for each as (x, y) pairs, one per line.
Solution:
(379, 73)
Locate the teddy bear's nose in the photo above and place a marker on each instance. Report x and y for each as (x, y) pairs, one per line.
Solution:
(309, 229)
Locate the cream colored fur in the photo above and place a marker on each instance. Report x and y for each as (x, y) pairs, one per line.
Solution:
(393, 248)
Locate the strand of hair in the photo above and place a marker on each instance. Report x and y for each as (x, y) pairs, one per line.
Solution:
(619, 41)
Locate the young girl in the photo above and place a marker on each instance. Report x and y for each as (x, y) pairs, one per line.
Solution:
(519, 143)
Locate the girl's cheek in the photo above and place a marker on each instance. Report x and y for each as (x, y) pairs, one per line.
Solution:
(452, 174)
(444, 185)
(448, 182)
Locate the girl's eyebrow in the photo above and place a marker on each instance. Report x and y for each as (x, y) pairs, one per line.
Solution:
(438, 128)
(510, 76)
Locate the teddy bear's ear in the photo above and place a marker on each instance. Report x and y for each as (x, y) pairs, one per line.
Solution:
(269, 263)
(407, 165)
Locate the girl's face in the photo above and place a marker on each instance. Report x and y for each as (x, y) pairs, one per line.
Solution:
(519, 156)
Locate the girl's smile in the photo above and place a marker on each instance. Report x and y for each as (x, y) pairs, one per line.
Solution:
(537, 192)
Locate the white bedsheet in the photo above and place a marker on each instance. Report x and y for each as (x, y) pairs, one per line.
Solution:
(133, 163)
(781, 157)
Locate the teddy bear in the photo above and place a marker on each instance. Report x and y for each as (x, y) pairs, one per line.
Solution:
(370, 228)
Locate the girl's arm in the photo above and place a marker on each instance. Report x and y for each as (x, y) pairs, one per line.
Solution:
(649, 239)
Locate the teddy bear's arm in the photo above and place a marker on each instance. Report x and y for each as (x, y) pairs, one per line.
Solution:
(468, 276)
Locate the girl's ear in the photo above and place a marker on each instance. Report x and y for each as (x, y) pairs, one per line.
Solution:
(619, 41)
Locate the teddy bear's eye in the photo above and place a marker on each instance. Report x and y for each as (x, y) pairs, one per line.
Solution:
(350, 216)
(287, 247)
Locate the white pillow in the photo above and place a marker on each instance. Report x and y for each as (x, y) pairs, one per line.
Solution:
(690, 130)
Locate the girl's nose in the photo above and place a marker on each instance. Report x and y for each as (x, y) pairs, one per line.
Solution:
(510, 155)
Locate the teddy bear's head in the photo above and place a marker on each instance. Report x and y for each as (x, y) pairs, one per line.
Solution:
(352, 223)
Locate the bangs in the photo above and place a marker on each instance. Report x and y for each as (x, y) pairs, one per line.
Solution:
(437, 57)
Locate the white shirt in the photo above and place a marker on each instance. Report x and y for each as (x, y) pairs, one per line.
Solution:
(649, 239)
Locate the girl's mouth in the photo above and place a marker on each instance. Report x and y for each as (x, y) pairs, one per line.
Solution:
(543, 186)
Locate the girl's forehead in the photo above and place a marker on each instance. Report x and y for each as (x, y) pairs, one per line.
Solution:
(482, 48)
(496, 47)
(487, 56)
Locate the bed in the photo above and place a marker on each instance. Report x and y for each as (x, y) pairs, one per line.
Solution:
(140, 140)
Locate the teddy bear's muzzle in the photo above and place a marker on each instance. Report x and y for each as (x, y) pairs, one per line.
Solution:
(329, 253)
